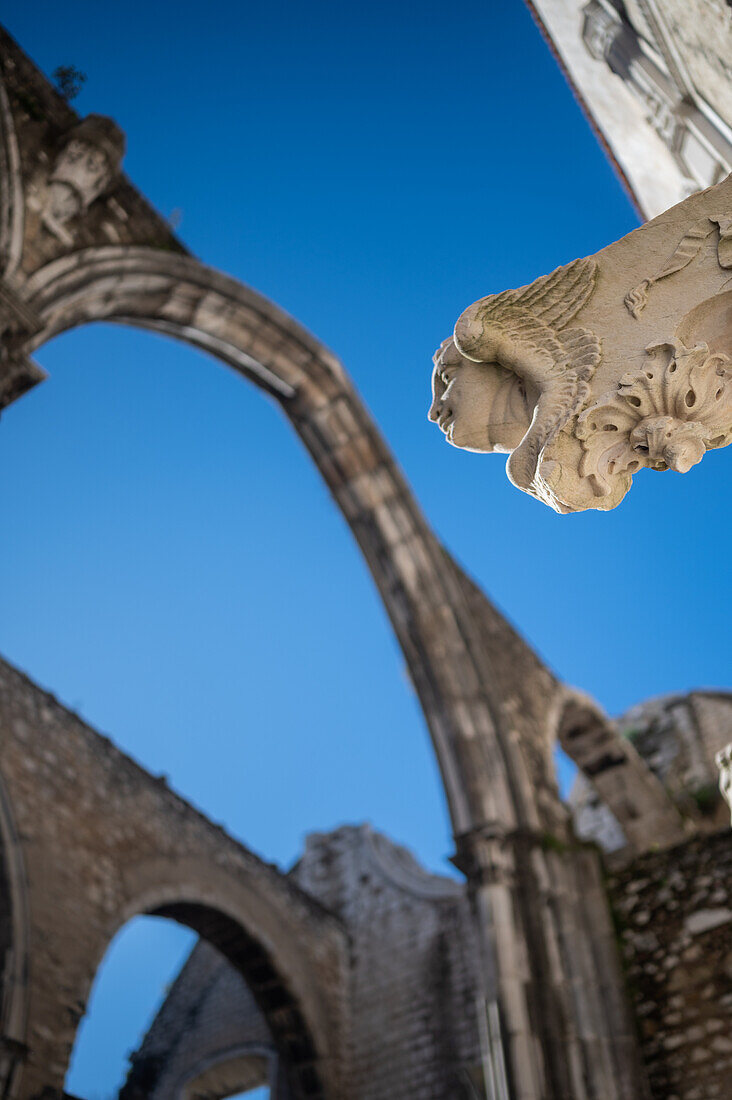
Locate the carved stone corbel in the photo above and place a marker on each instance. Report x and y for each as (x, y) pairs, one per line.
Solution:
(611, 364)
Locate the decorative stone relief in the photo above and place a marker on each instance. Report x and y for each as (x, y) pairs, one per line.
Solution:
(664, 416)
(636, 299)
(532, 375)
(723, 760)
(81, 172)
(542, 373)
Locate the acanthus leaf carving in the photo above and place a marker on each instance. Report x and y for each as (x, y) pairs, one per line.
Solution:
(663, 417)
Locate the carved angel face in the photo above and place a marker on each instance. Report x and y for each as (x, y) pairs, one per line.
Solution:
(479, 406)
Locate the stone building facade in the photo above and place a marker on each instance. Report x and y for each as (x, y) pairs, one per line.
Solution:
(357, 975)
(655, 79)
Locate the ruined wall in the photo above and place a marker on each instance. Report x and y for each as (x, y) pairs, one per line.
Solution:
(413, 965)
(674, 918)
(677, 737)
(101, 840)
(411, 1001)
(208, 1034)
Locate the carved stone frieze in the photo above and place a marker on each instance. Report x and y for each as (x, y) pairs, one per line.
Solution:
(542, 373)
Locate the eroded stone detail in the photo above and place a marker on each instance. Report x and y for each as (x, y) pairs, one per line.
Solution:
(82, 171)
(723, 760)
(636, 299)
(664, 417)
(531, 372)
(542, 372)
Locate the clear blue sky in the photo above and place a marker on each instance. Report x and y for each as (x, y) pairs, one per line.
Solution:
(174, 568)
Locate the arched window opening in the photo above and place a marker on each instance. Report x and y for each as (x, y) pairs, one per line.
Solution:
(212, 1019)
(141, 963)
(167, 525)
(565, 771)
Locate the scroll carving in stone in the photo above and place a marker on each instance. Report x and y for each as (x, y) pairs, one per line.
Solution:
(636, 299)
(583, 382)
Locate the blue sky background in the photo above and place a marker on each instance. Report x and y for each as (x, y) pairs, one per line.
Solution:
(175, 570)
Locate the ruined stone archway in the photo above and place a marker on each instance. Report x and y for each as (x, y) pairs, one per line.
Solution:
(485, 694)
(101, 841)
(438, 616)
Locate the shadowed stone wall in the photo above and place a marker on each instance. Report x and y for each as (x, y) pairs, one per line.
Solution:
(101, 841)
(208, 1037)
(412, 998)
(674, 918)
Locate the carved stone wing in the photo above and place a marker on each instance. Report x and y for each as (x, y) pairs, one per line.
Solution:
(558, 297)
(524, 331)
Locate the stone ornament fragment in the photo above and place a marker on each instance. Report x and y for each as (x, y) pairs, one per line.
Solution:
(598, 370)
(83, 169)
(723, 760)
(637, 298)
(664, 416)
(528, 333)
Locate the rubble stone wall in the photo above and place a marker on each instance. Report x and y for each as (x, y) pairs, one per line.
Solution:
(101, 840)
(674, 918)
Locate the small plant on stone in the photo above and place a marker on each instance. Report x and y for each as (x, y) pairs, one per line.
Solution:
(69, 81)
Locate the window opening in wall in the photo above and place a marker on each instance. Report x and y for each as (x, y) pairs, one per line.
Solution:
(135, 975)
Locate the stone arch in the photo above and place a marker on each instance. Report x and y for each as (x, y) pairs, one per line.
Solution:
(622, 781)
(229, 1072)
(438, 617)
(102, 841)
(247, 926)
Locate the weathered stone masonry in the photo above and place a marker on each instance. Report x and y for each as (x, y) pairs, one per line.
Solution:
(101, 841)
(674, 918)
(359, 987)
(489, 710)
(411, 983)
